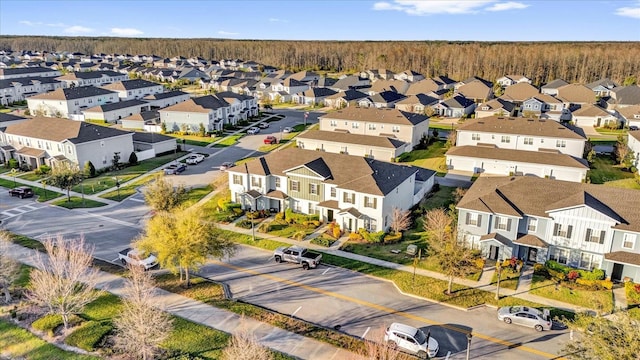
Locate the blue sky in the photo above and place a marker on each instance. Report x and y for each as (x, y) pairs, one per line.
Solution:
(482, 20)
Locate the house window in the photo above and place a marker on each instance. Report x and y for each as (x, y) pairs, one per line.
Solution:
(69, 149)
(589, 261)
(277, 182)
(343, 150)
(502, 223)
(372, 126)
(595, 236)
(561, 143)
(533, 225)
(562, 231)
(370, 202)
(395, 129)
(528, 141)
(297, 207)
(349, 198)
(333, 192)
(475, 137)
(559, 255)
(629, 241)
(355, 125)
(373, 225)
(473, 219)
(237, 179)
(256, 181)
(295, 185)
(505, 139)
(313, 189)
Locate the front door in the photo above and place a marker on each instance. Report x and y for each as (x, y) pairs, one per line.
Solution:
(350, 224)
(533, 254)
(329, 215)
(493, 252)
(616, 274)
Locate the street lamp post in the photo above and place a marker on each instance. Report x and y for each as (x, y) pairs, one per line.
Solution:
(469, 336)
(306, 114)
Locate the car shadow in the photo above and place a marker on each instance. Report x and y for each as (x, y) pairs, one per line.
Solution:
(451, 337)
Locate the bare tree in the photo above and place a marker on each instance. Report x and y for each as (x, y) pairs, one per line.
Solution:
(141, 326)
(454, 258)
(244, 345)
(603, 339)
(451, 139)
(9, 268)
(161, 195)
(377, 350)
(64, 281)
(400, 220)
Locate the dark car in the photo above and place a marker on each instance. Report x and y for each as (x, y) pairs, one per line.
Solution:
(22, 192)
(633, 128)
(175, 169)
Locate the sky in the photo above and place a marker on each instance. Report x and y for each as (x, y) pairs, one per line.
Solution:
(478, 20)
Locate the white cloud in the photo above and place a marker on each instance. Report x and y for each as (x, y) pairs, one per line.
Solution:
(222, 32)
(77, 29)
(422, 7)
(56, 25)
(278, 20)
(29, 23)
(632, 12)
(125, 32)
(510, 5)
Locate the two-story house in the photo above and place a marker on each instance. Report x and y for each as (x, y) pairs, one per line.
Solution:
(545, 107)
(116, 111)
(517, 146)
(91, 78)
(240, 106)
(210, 111)
(353, 191)
(162, 100)
(370, 146)
(580, 225)
(344, 98)
(404, 126)
(134, 89)
(509, 80)
(495, 107)
(39, 141)
(18, 89)
(68, 102)
(15, 73)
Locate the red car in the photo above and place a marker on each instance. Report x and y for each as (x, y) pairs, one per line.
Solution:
(270, 140)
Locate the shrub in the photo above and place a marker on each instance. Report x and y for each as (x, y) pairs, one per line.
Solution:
(43, 170)
(559, 275)
(133, 158)
(633, 292)
(295, 218)
(322, 241)
(595, 274)
(223, 204)
(479, 262)
(237, 211)
(540, 269)
(336, 232)
(299, 235)
(48, 323)
(12, 164)
(553, 265)
(595, 284)
(88, 335)
(573, 275)
(264, 227)
(390, 239)
(280, 216)
(353, 236)
(245, 224)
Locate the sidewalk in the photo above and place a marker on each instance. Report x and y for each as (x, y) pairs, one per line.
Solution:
(229, 322)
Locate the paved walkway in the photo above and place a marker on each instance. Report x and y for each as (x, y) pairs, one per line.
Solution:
(229, 322)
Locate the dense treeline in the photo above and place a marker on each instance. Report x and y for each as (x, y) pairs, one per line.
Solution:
(542, 62)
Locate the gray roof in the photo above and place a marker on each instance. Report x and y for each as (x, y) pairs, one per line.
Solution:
(384, 116)
(77, 92)
(458, 102)
(606, 82)
(26, 81)
(28, 70)
(555, 84)
(116, 106)
(165, 95)
(131, 84)
(348, 138)
(150, 138)
(519, 126)
(627, 95)
(9, 117)
(387, 97)
(531, 157)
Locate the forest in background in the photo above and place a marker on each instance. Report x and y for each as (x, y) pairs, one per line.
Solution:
(580, 62)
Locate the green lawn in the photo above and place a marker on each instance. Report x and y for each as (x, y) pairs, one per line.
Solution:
(439, 199)
(611, 132)
(126, 191)
(193, 139)
(431, 158)
(433, 124)
(78, 203)
(32, 176)
(42, 195)
(508, 279)
(544, 287)
(107, 180)
(604, 169)
(624, 183)
(229, 141)
(196, 194)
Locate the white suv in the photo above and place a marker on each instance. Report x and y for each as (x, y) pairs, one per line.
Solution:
(410, 339)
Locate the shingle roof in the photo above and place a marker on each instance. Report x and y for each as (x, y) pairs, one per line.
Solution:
(165, 95)
(386, 97)
(349, 95)
(591, 111)
(458, 102)
(130, 85)
(86, 75)
(317, 92)
(532, 157)
(347, 172)
(576, 93)
(202, 104)
(10, 117)
(554, 84)
(475, 90)
(385, 116)
(627, 95)
(27, 70)
(606, 82)
(116, 106)
(537, 196)
(519, 126)
(26, 81)
(419, 99)
(77, 92)
(348, 138)
(423, 87)
(635, 134)
(624, 257)
(629, 112)
(56, 129)
(496, 104)
(150, 137)
(521, 91)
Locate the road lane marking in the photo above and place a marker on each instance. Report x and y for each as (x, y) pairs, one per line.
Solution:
(295, 312)
(326, 271)
(508, 344)
(365, 332)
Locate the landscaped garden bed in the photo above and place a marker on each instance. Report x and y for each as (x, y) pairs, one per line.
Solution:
(632, 291)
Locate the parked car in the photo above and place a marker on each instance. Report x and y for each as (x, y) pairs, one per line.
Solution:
(525, 316)
(175, 169)
(633, 128)
(21, 192)
(413, 340)
(195, 159)
(287, 130)
(253, 130)
(263, 125)
(225, 165)
(137, 258)
(298, 255)
(270, 140)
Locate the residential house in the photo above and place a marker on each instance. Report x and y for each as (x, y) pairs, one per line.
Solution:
(307, 77)
(447, 82)
(209, 111)
(45, 141)
(521, 134)
(520, 92)
(495, 107)
(551, 88)
(192, 75)
(477, 91)
(351, 82)
(378, 86)
(488, 159)
(593, 115)
(313, 96)
(286, 88)
(602, 87)
(623, 96)
(68, 102)
(417, 104)
(18, 89)
(633, 141)
(424, 87)
(409, 75)
(344, 98)
(162, 100)
(456, 107)
(575, 94)
(472, 79)
(134, 89)
(92, 78)
(404, 126)
(111, 113)
(384, 99)
(377, 74)
(629, 115)
(146, 120)
(509, 80)
(7, 119)
(241, 107)
(370, 146)
(15, 73)
(585, 226)
(352, 191)
(148, 145)
(545, 106)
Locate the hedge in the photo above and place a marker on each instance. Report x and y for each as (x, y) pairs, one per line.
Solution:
(48, 323)
(595, 274)
(293, 217)
(89, 335)
(596, 284)
(376, 237)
